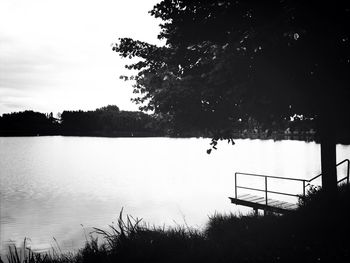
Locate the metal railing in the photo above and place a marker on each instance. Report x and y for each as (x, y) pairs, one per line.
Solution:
(266, 191)
(305, 183)
(345, 178)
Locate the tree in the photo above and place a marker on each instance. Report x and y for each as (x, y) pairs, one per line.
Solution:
(225, 62)
(28, 123)
(109, 108)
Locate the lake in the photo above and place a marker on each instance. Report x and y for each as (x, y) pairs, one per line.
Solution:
(63, 186)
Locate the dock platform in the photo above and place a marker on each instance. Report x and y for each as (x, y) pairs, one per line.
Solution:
(258, 202)
(271, 205)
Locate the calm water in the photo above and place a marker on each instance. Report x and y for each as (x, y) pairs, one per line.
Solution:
(55, 186)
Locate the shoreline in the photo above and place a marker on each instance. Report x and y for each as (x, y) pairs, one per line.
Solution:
(291, 237)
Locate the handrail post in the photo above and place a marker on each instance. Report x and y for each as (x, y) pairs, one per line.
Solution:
(347, 180)
(303, 188)
(266, 190)
(236, 185)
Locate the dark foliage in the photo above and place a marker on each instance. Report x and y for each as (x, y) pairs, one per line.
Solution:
(224, 61)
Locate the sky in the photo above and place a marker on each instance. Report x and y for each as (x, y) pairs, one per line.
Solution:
(57, 55)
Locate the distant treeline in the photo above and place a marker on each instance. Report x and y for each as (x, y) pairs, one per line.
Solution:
(113, 122)
(109, 121)
(105, 121)
(28, 123)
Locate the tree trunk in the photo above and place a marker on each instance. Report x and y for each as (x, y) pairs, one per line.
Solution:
(328, 157)
(329, 176)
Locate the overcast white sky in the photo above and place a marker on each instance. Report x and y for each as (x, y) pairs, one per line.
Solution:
(56, 55)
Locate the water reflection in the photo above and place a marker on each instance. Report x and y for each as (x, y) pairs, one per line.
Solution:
(50, 186)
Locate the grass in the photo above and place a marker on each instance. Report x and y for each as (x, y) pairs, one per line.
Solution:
(26, 255)
(317, 232)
